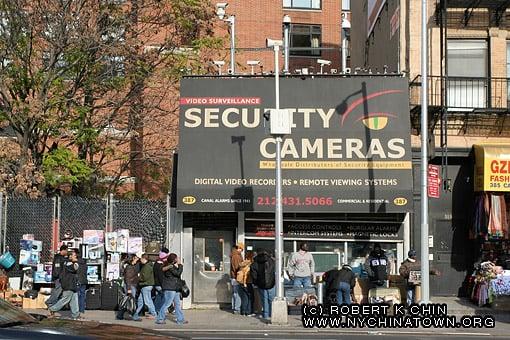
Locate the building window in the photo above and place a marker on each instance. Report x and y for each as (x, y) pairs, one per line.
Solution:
(346, 5)
(302, 4)
(305, 40)
(467, 73)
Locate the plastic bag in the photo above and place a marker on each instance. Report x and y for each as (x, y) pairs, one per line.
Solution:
(128, 303)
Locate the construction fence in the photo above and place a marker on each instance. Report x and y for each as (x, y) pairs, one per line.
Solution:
(48, 219)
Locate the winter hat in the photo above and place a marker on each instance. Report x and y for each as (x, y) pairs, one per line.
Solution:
(163, 255)
(411, 253)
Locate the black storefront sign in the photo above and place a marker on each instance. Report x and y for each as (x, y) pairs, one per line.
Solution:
(349, 150)
(342, 229)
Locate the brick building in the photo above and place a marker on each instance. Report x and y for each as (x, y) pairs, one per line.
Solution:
(315, 33)
(468, 95)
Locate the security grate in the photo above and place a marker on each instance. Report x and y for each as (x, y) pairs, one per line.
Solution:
(78, 214)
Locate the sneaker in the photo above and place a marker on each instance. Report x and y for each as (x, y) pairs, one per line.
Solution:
(51, 315)
(236, 312)
(252, 315)
(78, 318)
(160, 322)
(185, 322)
(117, 318)
(136, 319)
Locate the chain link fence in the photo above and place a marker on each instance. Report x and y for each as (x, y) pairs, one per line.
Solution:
(142, 217)
(40, 217)
(29, 216)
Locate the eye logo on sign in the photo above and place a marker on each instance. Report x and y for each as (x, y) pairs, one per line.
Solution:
(371, 120)
(189, 200)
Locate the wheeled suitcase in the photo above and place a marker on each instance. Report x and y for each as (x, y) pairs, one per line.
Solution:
(93, 298)
(109, 295)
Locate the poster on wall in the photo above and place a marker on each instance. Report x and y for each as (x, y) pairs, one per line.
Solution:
(122, 240)
(135, 245)
(25, 245)
(93, 236)
(111, 242)
(112, 271)
(93, 274)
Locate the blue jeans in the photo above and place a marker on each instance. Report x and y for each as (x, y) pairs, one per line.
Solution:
(82, 296)
(246, 294)
(55, 294)
(266, 296)
(343, 294)
(145, 299)
(302, 281)
(68, 297)
(236, 298)
(169, 297)
(410, 294)
(121, 311)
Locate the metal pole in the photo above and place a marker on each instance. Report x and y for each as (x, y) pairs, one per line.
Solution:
(4, 240)
(2, 230)
(232, 21)
(425, 297)
(344, 50)
(278, 210)
(110, 213)
(286, 47)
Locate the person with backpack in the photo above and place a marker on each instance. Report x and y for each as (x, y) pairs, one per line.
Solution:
(340, 282)
(58, 263)
(262, 272)
(70, 287)
(82, 280)
(146, 283)
(245, 285)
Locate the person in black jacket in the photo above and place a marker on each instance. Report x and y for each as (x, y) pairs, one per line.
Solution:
(262, 272)
(82, 280)
(377, 266)
(70, 287)
(131, 268)
(58, 263)
(340, 282)
(171, 284)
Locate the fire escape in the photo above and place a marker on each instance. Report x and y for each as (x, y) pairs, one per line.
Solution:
(470, 106)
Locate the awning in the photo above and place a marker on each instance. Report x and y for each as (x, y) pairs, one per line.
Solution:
(492, 167)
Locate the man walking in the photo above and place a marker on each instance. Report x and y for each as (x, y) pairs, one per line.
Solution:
(301, 267)
(58, 263)
(262, 272)
(82, 280)
(236, 258)
(70, 286)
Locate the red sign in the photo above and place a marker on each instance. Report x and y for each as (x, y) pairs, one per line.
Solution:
(434, 181)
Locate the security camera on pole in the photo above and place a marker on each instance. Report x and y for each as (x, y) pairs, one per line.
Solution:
(280, 123)
(231, 20)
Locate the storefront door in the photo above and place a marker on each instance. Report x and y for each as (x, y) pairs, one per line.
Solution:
(211, 266)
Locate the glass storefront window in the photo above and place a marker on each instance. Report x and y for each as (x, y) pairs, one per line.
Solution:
(213, 254)
(357, 254)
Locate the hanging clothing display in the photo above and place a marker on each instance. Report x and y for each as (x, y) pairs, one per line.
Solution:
(490, 216)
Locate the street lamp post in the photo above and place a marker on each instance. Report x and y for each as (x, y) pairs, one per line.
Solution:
(280, 125)
(286, 43)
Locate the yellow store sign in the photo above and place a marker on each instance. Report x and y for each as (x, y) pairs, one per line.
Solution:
(492, 167)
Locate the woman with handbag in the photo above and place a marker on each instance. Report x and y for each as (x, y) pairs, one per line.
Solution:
(171, 285)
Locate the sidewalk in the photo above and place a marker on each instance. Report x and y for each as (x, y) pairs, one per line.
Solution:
(216, 320)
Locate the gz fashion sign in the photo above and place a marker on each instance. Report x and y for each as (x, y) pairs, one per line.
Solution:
(349, 149)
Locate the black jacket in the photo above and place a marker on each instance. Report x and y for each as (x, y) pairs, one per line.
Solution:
(171, 279)
(333, 278)
(69, 277)
(377, 266)
(82, 271)
(262, 271)
(158, 273)
(58, 264)
(131, 274)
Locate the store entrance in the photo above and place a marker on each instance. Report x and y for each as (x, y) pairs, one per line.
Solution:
(211, 266)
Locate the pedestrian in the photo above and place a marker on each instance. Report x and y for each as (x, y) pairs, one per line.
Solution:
(130, 272)
(171, 284)
(341, 282)
(262, 273)
(158, 274)
(412, 264)
(301, 267)
(146, 283)
(236, 258)
(245, 285)
(70, 287)
(377, 265)
(82, 280)
(58, 263)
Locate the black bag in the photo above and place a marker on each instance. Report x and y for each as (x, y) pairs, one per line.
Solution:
(93, 298)
(109, 295)
(184, 289)
(128, 303)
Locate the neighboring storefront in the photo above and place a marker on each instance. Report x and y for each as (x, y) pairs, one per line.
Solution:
(347, 173)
